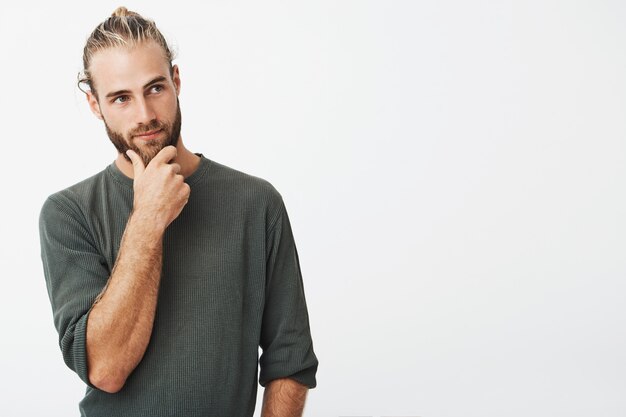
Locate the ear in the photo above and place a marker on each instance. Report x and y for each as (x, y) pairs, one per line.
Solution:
(93, 104)
(176, 78)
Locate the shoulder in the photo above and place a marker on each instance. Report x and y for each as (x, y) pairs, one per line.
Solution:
(245, 187)
(74, 200)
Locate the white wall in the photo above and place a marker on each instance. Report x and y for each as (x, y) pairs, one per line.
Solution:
(454, 172)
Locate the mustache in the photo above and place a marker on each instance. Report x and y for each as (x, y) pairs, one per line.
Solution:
(153, 125)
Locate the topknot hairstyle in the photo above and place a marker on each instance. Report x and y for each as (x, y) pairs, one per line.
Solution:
(123, 28)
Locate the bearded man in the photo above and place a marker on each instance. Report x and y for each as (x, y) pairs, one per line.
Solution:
(167, 270)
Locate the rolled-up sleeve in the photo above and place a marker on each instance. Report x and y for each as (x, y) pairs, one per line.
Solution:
(285, 334)
(75, 273)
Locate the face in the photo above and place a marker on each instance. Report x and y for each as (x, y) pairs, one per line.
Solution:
(137, 98)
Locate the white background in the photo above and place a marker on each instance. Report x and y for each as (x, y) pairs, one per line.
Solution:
(454, 172)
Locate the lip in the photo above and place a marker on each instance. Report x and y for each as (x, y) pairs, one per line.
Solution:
(149, 135)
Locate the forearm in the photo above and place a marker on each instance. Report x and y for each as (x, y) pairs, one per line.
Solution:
(284, 397)
(120, 322)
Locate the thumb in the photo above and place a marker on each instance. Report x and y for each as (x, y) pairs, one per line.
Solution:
(138, 167)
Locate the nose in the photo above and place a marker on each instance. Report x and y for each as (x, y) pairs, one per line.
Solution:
(144, 112)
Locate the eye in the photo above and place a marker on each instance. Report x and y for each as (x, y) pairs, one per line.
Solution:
(157, 88)
(120, 99)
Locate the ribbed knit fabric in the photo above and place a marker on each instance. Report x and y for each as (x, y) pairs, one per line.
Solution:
(230, 282)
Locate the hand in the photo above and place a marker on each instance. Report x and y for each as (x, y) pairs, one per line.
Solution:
(160, 191)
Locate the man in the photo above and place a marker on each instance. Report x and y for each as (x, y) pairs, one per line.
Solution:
(166, 270)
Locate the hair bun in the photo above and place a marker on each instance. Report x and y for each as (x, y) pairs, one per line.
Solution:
(123, 12)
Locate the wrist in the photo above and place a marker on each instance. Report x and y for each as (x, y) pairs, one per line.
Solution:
(148, 223)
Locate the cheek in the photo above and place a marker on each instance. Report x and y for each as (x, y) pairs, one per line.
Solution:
(119, 127)
(169, 109)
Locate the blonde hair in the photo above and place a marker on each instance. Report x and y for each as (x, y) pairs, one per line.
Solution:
(123, 28)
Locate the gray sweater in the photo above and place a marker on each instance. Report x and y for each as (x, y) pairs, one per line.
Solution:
(230, 282)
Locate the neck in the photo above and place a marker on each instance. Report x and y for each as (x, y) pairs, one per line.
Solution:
(187, 160)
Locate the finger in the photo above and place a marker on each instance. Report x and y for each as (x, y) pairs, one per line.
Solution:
(166, 154)
(176, 167)
(138, 167)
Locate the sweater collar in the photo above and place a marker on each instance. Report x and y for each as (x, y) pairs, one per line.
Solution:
(121, 178)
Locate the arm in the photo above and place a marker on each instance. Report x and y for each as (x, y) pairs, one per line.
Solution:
(120, 322)
(285, 332)
(121, 319)
(284, 397)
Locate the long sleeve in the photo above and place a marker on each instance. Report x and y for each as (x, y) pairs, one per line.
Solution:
(230, 283)
(75, 274)
(285, 333)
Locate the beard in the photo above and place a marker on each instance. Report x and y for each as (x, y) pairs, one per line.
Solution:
(150, 148)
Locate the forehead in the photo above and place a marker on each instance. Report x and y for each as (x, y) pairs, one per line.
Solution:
(121, 67)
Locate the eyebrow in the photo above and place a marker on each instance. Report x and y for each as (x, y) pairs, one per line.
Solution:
(148, 84)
